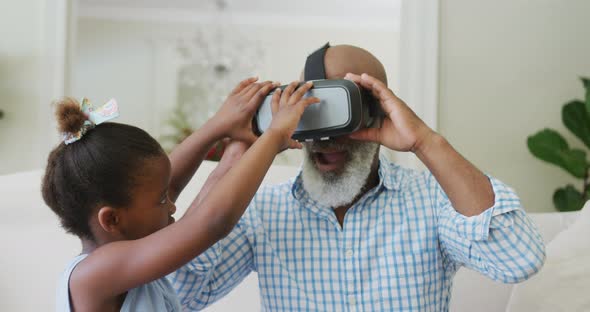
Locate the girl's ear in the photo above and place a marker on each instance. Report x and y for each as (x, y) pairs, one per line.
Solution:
(109, 219)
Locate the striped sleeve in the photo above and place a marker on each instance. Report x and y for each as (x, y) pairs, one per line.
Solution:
(215, 272)
(501, 242)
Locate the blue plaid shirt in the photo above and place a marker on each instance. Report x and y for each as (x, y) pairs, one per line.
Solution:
(398, 249)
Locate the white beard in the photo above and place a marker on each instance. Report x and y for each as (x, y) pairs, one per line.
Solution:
(335, 189)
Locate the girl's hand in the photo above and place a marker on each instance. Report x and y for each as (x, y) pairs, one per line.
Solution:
(236, 114)
(287, 108)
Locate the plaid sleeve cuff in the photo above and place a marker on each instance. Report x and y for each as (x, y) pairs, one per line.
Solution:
(477, 228)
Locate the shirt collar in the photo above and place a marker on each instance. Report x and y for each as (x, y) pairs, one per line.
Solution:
(390, 174)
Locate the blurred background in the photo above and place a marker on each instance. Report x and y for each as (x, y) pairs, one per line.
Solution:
(486, 75)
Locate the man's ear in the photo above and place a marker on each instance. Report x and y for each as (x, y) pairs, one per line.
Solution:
(109, 219)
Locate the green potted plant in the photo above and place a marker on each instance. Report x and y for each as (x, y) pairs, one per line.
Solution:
(550, 146)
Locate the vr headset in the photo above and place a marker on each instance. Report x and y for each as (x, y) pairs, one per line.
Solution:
(344, 106)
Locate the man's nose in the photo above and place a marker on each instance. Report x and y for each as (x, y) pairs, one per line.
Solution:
(172, 208)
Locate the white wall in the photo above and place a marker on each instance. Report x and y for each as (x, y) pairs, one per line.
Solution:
(20, 61)
(134, 61)
(31, 75)
(507, 67)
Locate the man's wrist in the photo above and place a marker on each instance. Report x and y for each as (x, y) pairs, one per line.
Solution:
(429, 141)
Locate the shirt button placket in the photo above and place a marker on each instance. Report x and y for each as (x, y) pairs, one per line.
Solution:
(348, 254)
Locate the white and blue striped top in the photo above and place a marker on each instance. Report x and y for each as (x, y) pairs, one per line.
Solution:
(398, 249)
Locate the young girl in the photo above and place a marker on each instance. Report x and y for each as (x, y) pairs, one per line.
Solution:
(113, 186)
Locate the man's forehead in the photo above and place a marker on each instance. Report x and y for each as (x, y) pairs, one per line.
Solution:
(342, 59)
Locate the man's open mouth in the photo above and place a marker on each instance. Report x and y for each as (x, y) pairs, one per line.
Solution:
(330, 160)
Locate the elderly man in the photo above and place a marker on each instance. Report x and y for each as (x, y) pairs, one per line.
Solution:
(354, 232)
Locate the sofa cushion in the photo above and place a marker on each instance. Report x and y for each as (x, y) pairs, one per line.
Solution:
(475, 292)
(564, 282)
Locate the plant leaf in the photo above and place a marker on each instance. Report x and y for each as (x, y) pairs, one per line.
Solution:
(576, 119)
(568, 199)
(550, 146)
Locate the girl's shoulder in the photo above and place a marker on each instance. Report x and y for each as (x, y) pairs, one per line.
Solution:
(155, 296)
(63, 287)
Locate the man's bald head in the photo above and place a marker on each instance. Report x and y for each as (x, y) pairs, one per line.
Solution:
(343, 59)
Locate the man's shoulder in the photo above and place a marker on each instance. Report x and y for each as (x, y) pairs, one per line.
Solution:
(282, 188)
(273, 192)
(402, 178)
(271, 199)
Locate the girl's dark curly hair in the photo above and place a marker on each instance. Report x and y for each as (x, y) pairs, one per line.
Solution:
(99, 169)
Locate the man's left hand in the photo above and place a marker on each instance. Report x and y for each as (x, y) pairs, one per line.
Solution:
(401, 130)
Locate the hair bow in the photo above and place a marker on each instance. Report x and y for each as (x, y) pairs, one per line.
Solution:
(106, 112)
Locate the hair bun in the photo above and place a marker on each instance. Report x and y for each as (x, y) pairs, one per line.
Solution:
(70, 117)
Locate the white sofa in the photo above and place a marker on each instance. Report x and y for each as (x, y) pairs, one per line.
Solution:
(34, 250)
